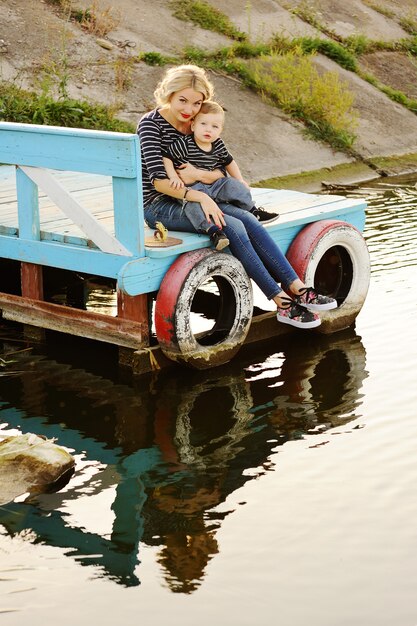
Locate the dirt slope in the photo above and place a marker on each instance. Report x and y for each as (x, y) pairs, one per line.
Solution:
(264, 141)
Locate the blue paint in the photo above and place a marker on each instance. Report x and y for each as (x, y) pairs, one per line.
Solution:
(117, 155)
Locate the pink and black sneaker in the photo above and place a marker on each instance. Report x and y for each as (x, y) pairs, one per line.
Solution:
(313, 301)
(297, 315)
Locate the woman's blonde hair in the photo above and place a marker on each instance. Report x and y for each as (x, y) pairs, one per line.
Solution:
(183, 77)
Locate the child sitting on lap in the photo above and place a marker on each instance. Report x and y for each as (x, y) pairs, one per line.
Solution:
(205, 149)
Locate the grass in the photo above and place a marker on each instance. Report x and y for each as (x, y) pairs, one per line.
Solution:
(155, 58)
(379, 9)
(206, 16)
(18, 105)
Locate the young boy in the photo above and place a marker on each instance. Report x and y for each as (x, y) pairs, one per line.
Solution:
(206, 150)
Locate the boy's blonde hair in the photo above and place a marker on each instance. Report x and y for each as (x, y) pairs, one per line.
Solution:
(209, 106)
(183, 77)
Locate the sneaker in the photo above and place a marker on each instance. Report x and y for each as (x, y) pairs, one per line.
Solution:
(219, 240)
(264, 216)
(313, 301)
(296, 315)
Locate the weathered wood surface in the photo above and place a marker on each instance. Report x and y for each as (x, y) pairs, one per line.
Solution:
(115, 330)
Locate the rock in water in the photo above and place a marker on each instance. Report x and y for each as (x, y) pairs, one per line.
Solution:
(32, 464)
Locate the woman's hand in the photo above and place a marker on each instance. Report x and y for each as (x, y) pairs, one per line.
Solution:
(212, 212)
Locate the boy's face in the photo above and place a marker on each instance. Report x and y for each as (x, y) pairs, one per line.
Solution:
(207, 127)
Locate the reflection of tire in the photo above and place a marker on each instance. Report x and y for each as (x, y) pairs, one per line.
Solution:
(332, 256)
(174, 304)
(214, 448)
(343, 355)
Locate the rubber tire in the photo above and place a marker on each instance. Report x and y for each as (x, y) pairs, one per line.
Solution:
(344, 272)
(174, 302)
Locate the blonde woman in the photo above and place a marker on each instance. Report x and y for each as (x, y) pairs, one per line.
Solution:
(179, 97)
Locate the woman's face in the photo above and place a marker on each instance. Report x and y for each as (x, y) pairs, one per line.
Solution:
(185, 104)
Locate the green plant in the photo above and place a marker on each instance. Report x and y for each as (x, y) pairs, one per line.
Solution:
(54, 69)
(329, 48)
(123, 69)
(379, 8)
(307, 11)
(409, 23)
(99, 21)
(18, 105)
(323, 102)
(357, 44)
(206, 16)
(412, 46)
(153, 58)
(400, 97)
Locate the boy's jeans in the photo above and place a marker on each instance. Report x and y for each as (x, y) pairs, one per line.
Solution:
(225, 189)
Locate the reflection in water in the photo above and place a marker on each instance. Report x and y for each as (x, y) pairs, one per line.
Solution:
(391, 219)
(169, 448)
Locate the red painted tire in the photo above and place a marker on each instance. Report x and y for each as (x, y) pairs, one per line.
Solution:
(332, 256)
(174, 305)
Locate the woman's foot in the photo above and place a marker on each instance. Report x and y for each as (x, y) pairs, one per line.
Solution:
(292, 313)
(313, 301)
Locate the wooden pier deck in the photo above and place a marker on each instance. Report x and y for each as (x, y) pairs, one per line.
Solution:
(72, 199)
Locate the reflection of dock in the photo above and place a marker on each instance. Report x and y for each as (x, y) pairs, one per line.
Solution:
(167, 456)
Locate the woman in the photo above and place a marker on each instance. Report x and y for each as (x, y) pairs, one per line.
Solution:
(179, 97)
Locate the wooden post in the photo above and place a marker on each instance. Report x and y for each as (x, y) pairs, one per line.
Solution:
(136, 309)
(31, 281)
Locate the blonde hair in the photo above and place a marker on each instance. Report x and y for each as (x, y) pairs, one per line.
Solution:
(209, 106)
(183, 77)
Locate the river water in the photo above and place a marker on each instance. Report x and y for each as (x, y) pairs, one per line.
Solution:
(279, 489)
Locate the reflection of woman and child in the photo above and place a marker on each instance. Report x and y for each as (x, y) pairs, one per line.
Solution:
(197, 196)
(172, 460)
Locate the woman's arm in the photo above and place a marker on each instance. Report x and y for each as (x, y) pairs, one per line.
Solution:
(190, 174)
(210, 209)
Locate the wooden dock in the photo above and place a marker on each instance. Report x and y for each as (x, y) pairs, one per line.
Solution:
(71, 199)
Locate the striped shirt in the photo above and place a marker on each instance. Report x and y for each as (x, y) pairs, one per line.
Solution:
(185, 150)
(155, 134)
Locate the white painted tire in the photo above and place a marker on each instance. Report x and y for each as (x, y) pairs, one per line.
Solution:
(174, 304)
(332, 256)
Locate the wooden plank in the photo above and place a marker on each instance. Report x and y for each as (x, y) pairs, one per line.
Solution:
(73, 149)
(27, 206)
(85, 324)
(84, 220)
(128, 214)
(63, 256)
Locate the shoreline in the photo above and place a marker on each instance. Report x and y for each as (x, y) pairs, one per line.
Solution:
(346, 174)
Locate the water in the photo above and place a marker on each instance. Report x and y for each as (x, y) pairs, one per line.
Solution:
(279, 489)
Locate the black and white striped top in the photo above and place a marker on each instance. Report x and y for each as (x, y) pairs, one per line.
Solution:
(156, 134)
(185, 150)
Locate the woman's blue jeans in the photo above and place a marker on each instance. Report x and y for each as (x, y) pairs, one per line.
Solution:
(250, 242)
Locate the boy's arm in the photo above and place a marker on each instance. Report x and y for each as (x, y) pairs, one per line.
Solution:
(190, 174)
(174, 180)
(233, 170)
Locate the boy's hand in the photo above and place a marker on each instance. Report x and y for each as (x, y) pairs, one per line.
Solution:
(175, 182)
(189, 174)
